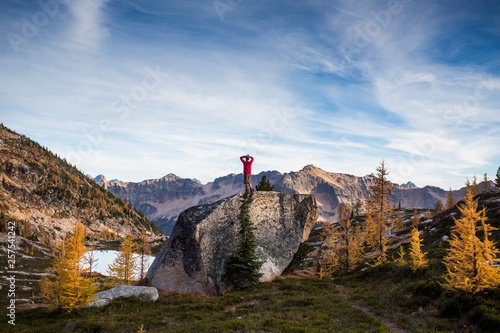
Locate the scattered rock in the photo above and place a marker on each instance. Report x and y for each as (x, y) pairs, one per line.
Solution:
(105, 297)
(204, 236)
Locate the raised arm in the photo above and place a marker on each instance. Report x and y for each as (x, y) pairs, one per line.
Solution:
(251, 159)
(242, 158)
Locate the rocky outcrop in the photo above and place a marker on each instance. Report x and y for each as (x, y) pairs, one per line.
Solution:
(204, 236)
(162, 200)
(105, 297)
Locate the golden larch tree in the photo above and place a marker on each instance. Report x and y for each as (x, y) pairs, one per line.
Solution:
(475, 187)
(399, 221)
(124, 266)
(416, 219)
(438, 207)
(401, 260)
(379, 209)
(349, 243)
(469, 261)
(450, 200)
(71, 288)
(417, 257)
(428, 214)
(485, 184)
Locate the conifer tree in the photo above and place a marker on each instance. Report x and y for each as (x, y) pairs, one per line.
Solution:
(144, 251)
(264, 185)
(124, 266)
(416, 218)
(497, 180)
(401, 253)
(399, 221)
(328, 261)
(344, 244)
(428, 214)
(242, 268)
(475, 187)
(450, 201)
(71, 288)
(357, 208)
(438, 207)
(485, 184)
(90, 257)
(417, 257)
(379, 207)
(469, 260)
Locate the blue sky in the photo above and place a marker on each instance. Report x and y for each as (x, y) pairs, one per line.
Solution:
(139, 89)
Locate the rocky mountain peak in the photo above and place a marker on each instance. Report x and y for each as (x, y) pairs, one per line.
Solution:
(170, 177)
(409, 185)
(310, 168)
(100, 179)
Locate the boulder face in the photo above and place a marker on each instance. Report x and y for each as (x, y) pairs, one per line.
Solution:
(205, 236)
(105, 297)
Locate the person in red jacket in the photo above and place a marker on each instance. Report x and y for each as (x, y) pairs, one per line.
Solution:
(247, 170)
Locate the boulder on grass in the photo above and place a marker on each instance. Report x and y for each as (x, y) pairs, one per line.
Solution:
(204, 237)
(103, 298)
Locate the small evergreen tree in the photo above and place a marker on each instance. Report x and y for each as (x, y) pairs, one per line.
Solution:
(242, 268)
(469, 260)
(357, 208)
(474, 186)
(124, 266)
(264, 185)
(497, 180)
(485, 184)
(450, 201)
(417, 258)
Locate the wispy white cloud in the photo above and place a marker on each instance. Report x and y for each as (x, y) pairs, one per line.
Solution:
(87, 28)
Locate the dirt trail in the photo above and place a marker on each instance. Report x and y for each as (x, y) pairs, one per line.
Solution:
(389, 324)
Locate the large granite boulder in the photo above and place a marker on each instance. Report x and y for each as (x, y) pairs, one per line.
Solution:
(105, 297)
(205, 236)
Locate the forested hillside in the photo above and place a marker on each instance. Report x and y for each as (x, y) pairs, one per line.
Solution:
(47, 196)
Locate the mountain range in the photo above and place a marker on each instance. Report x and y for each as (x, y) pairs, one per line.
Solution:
(162, 200)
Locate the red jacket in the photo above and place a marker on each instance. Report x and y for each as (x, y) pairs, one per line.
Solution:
(247, 166)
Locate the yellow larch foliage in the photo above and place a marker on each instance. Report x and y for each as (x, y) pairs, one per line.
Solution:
(349, 242)
(71, 288)
(378, 208)
(416, 219)
(469, 260)
(399, 221)
(401, 253)
(328, 261)
(124, 267)
(450, 201)
(417, 257)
